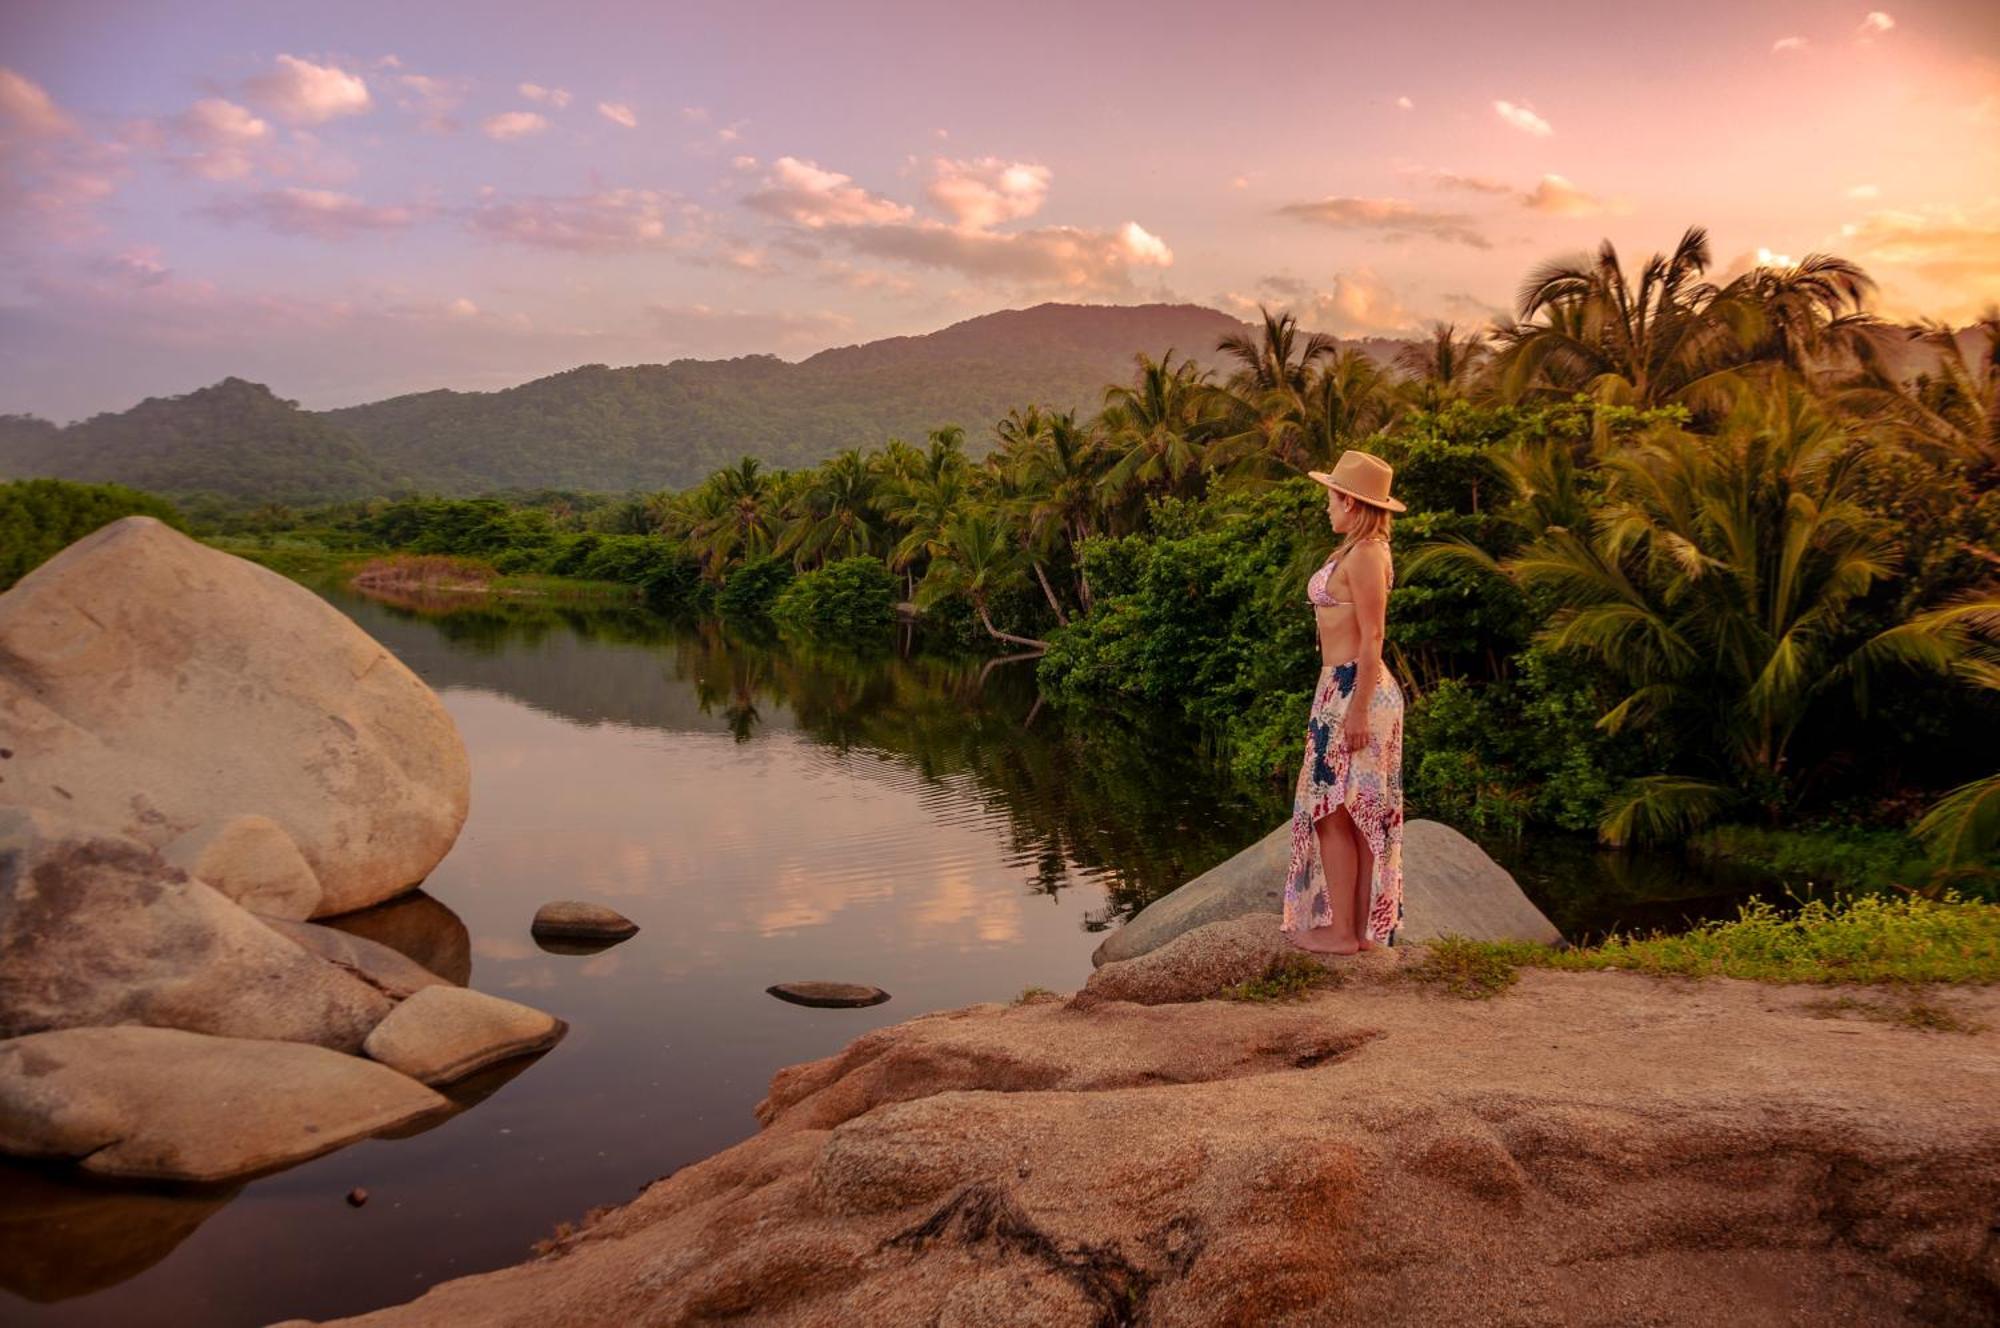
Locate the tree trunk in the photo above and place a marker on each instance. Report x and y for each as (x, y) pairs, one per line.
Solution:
(1049, 591)
(999, 635)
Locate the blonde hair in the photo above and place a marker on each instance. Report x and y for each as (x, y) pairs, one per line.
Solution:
(1370, 521)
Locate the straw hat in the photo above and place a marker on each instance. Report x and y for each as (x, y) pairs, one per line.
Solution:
(1361, 477)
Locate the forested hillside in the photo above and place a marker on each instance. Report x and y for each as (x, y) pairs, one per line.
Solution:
(645, 427)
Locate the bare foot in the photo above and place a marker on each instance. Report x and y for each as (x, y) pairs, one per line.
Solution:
(1318, 941)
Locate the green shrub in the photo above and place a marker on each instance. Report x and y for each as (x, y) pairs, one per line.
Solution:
(848, 596)
(754, 587)
(40, 518)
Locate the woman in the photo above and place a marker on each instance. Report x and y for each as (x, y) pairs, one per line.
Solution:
(1344, 887)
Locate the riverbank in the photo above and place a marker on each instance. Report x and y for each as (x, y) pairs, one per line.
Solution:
(1585, 1147)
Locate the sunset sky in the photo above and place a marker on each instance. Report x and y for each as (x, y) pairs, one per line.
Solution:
(353, 200)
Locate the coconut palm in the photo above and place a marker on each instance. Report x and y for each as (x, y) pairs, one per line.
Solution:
(1717, 584)
(1444, 366)
(980, 556)
(1277, 358)
(1952, 408)
(736, 515)
(1157, 428)
(1806, 316)
(1585, 326)
(836, 515)
(1062, 474)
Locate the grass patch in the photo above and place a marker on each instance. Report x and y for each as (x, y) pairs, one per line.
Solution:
(1865, 939)
(1474, 970)
(1029, 995)
(1914, 1010)
(542, 586)
(1288, 977)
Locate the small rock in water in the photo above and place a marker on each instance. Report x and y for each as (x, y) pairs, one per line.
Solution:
(356, 1197)
(572, 919)
(828, 995)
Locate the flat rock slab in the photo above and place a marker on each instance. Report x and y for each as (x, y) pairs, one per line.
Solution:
(132, 662)
(828, 995)
(1450, 887)
(98, 929)
(162, 1104)
(576, 920)
(445, 1033)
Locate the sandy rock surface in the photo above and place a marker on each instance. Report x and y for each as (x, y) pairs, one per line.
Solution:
(99, 929)
(145, 1102)
(160, 688)
(1586, 1148)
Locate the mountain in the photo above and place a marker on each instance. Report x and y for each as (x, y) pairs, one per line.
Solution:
(235, 438)
(655, 425)
(644, 427)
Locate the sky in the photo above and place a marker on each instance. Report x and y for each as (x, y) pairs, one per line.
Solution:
(351, 201)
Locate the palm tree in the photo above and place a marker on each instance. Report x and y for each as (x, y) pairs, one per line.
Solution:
(1061, 478)
(979, 556)
(1807, 317)
(1156, 429)
(1716, 584)
(836, 514)
(1584, 326)
(1952, 407)
(1443, 367)
(1277, 360)
(923, 506)
(735, 516)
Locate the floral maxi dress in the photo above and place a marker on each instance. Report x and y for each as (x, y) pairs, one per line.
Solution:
(1369, 783)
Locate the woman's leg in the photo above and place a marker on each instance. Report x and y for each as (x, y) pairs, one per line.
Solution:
(1364, 881)
(1336, 835)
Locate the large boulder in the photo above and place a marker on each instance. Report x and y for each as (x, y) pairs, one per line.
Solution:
(1450, 887)
(99, 929)
(161, 1104)
(134, 663)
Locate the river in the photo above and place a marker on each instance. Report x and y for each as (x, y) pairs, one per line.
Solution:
(766, 812)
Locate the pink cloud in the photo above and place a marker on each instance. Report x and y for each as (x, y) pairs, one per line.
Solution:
(1356, 304)
(1392, 218)
(1523, 119)
(301, 92)
(509, 125)
(432, 99)
(319, 213)
(800, 192)
(222, 139)
(1557, 197)
(555, 97)
(618, 113)
(982, 193)
(610, 221)
(27, 110)
(52, 173)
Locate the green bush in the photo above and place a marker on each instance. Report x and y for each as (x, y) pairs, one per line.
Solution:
(39, 518)
(754, 587)
(850, 595)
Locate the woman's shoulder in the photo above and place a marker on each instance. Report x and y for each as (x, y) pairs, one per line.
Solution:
(1370, 553)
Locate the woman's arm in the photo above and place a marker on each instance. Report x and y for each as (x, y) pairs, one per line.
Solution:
(1368, 581)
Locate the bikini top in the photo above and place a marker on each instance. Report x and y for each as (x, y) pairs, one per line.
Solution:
(1316, 589)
